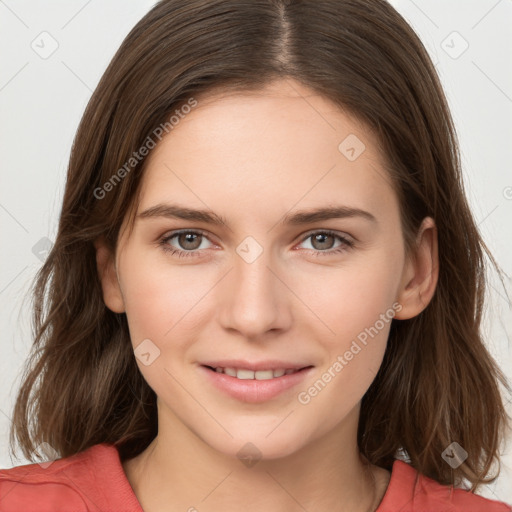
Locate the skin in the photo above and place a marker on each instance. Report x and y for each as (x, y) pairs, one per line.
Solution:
(252, 158)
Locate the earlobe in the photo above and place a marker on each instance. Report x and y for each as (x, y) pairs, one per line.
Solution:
(112, 295)
(420, 274)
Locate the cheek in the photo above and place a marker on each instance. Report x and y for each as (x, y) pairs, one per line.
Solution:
(160, 299)
(352, 299)
(354, 356)
(358, 307)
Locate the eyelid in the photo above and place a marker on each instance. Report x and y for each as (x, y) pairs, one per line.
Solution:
(171, 234)
(332, 232)
(303, 237)
(347, 241)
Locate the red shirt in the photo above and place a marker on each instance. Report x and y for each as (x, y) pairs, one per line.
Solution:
(94, 480)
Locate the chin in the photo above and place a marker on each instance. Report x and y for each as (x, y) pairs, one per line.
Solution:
(252, 444)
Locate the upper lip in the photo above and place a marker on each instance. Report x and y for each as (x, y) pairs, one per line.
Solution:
(240, 364)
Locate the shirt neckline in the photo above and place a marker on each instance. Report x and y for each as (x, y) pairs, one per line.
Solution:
(401, 482)
(402, 478)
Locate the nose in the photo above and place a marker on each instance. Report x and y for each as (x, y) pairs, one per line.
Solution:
(254, 298)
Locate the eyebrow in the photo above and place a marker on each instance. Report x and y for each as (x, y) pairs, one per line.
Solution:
(294, 218)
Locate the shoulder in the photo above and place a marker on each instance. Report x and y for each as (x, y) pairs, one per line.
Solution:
(77, 483)
(408, 491)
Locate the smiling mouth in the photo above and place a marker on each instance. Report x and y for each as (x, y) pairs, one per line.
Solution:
(244, 374)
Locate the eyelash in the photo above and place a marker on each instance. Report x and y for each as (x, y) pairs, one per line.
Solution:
(346, 243)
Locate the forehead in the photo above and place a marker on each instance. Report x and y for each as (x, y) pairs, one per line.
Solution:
(265, 151)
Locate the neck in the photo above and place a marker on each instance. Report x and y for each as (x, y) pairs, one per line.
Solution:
(181, 472)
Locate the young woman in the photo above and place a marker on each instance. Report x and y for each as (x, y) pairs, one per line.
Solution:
(267, 284)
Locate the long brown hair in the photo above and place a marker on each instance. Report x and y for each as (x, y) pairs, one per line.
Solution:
(437, 384)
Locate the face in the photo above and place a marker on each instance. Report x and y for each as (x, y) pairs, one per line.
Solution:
(264, 287)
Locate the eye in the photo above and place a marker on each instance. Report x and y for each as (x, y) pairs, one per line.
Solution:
(190, 241)
(322, 243)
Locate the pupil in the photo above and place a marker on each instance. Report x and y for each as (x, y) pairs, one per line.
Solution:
(321, 238)
(189, 239)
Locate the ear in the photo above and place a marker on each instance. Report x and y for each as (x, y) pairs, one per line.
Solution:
(105, 261)
(420, 274)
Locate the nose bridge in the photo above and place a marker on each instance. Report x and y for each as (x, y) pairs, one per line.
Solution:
(254, 299)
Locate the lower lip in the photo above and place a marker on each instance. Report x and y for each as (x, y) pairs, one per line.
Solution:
(252, 390)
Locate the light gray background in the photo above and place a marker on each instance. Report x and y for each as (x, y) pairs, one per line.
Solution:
(42, 100)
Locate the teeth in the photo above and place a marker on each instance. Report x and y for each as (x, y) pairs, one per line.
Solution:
(257, 375)
(244, 374)
(264, 374)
